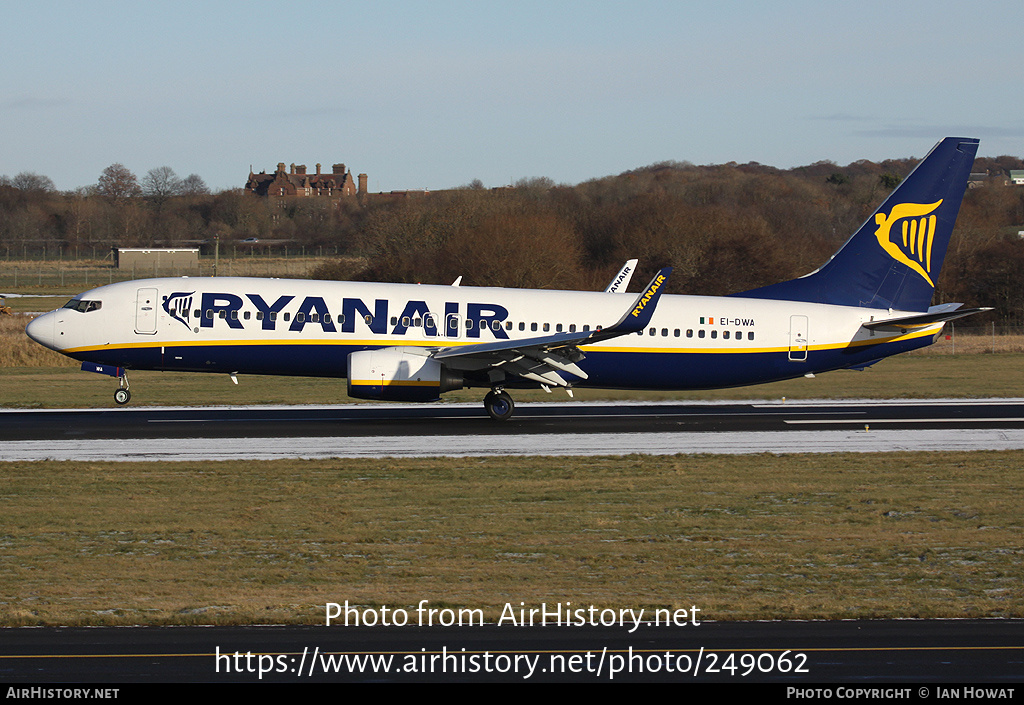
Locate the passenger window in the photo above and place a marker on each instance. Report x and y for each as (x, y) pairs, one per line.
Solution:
(394, 320)
(572, 327)
(700, 333)
(725, 335)
(714, 334)
(689, 332)
(368, 319)
(664, 332)
(259, 315)
(558, 328)
(248, 315)
(750, 335)
(287, 316)
(654, 331)
(405, 321)
(522, 325)
(547, 327)
(533, 326)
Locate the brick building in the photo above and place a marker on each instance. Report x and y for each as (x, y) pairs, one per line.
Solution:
(296, 183)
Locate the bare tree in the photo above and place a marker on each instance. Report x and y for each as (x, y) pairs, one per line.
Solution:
(160, 184)
(193, 185)
(34, 183)
(118, 182)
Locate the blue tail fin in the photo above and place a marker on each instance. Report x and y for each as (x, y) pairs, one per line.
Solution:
(893, 260)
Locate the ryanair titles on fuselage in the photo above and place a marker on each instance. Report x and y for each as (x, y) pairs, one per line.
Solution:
(313, 310)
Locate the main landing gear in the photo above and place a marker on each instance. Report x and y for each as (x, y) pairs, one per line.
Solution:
(499, 404)
(122, 395)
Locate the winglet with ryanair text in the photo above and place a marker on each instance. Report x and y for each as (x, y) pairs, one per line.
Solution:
(639, 314)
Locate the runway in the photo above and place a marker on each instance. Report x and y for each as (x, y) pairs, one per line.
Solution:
(859, 653)
(437, 430)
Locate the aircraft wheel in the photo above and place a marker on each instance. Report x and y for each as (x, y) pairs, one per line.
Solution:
(122, 396)
(499, 405)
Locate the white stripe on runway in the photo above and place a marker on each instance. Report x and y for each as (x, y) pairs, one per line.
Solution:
(742, 442)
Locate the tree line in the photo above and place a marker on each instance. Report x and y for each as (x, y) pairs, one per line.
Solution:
(725, 228)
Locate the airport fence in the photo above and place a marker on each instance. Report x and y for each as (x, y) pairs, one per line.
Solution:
(63, 276)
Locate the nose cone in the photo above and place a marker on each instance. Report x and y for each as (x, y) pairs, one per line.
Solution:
(41, 330)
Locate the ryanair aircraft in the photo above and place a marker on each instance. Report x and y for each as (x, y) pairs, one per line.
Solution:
(409, 342)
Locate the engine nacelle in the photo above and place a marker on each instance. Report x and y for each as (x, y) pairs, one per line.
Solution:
(399, 374)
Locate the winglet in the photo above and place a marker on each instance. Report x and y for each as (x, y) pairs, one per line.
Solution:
(621, 280)
(639, 314)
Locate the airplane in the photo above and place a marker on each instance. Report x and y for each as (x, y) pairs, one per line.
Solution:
(413, 342)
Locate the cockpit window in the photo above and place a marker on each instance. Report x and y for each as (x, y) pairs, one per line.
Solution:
(83, 305)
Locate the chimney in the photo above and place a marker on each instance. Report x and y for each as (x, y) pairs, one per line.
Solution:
(280, 167)
(338, 168)
(300, 170)
(318, 170)
(362, 185)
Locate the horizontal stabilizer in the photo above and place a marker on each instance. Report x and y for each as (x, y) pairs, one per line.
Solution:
(936, 314)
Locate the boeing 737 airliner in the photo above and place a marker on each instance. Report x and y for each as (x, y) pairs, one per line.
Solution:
(409, 342)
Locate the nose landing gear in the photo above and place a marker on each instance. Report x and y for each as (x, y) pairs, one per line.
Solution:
(122, 395)
(499, 404)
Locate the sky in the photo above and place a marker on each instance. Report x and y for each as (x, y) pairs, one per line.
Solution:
(433, 95)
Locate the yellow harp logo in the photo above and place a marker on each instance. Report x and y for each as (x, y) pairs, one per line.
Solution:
(918, 230)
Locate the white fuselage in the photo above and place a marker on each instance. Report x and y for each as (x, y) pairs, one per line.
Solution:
(281, 326)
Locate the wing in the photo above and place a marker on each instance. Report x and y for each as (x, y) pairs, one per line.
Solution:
(543, 359)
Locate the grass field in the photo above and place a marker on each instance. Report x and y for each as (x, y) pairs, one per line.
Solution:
(840, 536)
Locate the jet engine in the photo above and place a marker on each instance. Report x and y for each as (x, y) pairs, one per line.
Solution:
(399, 374)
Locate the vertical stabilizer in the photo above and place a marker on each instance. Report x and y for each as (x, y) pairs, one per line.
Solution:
(894, 259)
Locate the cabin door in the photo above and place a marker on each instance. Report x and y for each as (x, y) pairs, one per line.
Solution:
(145, 311)
(798, 338)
